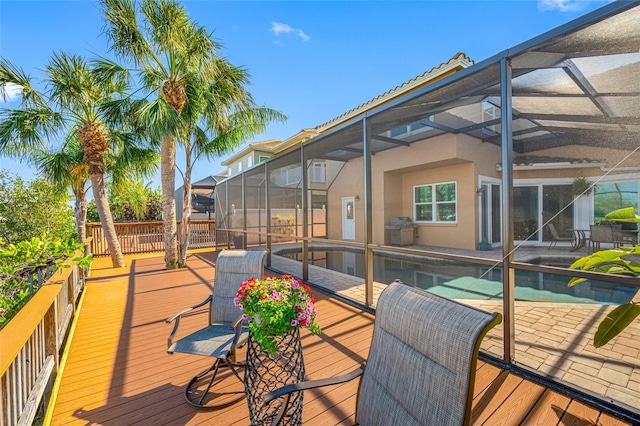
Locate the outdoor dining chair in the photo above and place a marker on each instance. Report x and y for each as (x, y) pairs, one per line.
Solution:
(422, 361)
(555, 237)
(225, 331)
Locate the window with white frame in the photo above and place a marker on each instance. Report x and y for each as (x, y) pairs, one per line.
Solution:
(262, 158)
(319, 172)
(435, 202)
(410, 129)
(490, 112)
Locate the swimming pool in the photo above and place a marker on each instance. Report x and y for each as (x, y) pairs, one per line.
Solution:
(464, 280)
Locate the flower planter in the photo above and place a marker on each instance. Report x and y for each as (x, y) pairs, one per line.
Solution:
(485, 246)
(265, 373)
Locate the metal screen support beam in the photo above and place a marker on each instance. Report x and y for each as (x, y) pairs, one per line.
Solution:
(368, 214)
(244, 211)
(305, 220)
(508, 276)
(268, 206)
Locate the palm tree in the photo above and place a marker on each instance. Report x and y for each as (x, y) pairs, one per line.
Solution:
(168, 51)
(66, 168)
(220, 116)
(72, 105)
(125, 162)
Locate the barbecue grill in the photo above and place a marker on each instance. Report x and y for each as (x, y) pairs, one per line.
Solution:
(403, 231)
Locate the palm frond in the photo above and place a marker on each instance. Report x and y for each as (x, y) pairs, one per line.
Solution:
(121, 28)
(69, 82)
(168, 24)
(11, 74)
(159, 119)
(26, 131)
(65, 167)
(110, 75)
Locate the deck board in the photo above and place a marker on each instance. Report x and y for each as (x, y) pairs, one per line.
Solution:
(117, 371)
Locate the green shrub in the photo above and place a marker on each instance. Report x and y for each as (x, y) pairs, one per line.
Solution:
(19, 260)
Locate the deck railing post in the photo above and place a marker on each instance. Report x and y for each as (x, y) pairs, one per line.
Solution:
(51, 348)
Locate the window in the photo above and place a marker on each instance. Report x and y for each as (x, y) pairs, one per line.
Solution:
(319, 172)
(262, 158)
(435, 202)
(410, 129)
(249, 161)
(490, 112)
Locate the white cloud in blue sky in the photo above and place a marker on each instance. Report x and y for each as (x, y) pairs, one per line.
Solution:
(561, 5)
(279, 28)
(9, 92)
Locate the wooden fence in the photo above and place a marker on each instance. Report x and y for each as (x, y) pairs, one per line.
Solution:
(144, 237)
(31, 343)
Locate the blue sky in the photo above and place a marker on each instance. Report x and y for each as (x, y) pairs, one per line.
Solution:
(311, 60)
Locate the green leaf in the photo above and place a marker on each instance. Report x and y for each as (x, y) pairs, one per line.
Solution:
(625, 213)
(576, 280)
(615, 323)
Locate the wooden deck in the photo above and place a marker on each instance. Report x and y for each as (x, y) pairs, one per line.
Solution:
(117, 372)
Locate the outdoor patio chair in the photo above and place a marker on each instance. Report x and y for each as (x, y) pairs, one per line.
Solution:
(600, 234)
(555, 237)
(422, 361)
(225, 331)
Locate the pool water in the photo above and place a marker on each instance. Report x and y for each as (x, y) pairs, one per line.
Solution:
(460, 280)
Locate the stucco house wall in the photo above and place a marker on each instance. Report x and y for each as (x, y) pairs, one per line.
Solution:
(395, 172)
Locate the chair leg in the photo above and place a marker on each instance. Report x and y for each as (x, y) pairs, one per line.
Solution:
(213, 371)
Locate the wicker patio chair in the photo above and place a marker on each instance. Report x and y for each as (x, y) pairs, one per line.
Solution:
(225, 331)
(422, 361)
(600, 234)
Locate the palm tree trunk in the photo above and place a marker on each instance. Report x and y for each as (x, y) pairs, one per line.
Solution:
(168, 177)
(80, 213)
(186, 216)
(106, 220)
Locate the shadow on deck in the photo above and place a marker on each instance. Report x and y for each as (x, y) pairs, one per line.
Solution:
(116, 371)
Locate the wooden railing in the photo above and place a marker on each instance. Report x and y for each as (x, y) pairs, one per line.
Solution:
(143, 237)
(31, 343)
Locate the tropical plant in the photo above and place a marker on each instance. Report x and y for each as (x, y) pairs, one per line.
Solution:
(617, 261)
(274, 306)
(30, 208)
(18, 262)
(169, 52)
(219, 117)
(133, 203)
(581, 186)
(72, 105)
(66, 168)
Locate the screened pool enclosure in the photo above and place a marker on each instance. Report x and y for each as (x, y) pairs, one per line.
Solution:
(544, 133)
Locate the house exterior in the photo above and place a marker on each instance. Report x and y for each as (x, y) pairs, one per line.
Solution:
(258, 152)
(202, 199)
(544, 133)
(467, 166)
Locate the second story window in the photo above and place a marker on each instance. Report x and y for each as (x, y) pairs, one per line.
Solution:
(319, 172)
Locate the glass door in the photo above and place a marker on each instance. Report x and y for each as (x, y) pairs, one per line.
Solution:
(490, 230)
(526, 213)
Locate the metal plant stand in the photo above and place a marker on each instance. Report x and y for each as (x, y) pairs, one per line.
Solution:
(265, 373)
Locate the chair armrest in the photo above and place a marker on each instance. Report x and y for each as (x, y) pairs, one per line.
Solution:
(177, 317)
(310, 384)
(236, 343)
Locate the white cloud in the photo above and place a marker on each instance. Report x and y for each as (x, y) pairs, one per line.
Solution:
(9, 92)
(561, 5)
(278, 28)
